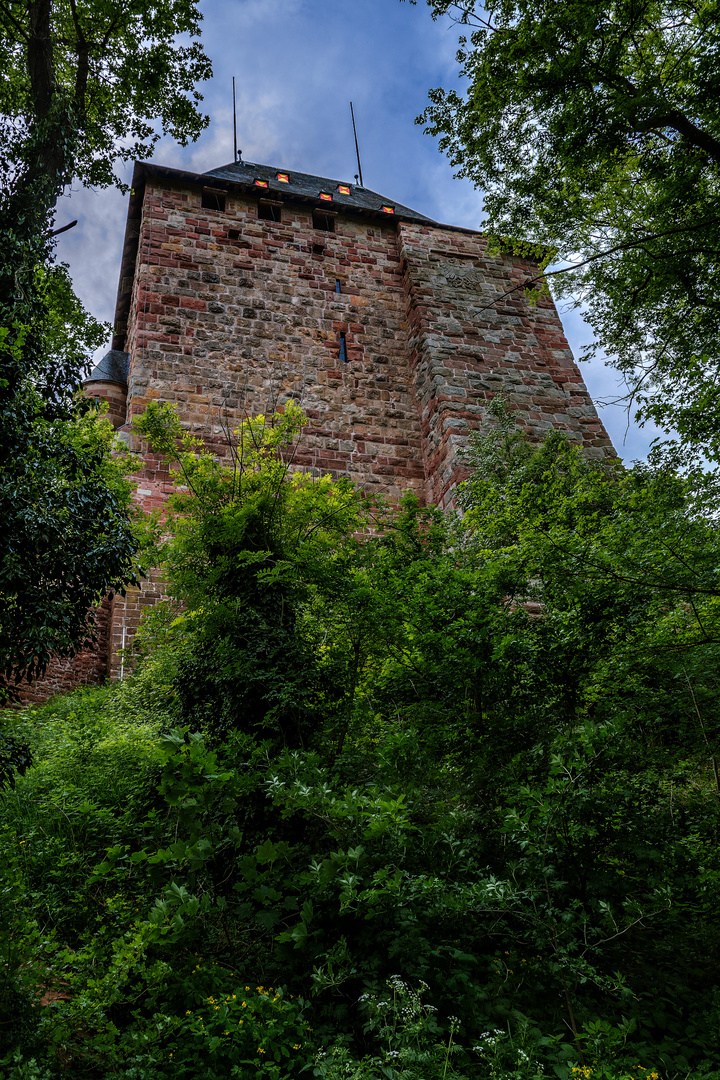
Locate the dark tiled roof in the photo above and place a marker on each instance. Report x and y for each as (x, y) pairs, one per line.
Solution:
(309, 187)
(113, 368)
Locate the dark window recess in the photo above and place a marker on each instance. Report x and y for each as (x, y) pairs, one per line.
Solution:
(325, 222)
(343, 350)
(269, 211)
(337, 286)
(213, 200)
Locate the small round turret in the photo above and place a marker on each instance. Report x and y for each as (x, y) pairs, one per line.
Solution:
(108, 381)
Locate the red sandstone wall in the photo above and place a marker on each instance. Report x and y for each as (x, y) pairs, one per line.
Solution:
(463, 351)
(127, 612)
(234, 313)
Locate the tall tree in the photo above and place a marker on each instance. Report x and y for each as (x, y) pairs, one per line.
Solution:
(85, 83)
(102, 73)
(594, 129)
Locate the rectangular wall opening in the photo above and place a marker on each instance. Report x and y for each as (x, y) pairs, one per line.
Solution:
(213, 199)
(269, 211)
(324, 222)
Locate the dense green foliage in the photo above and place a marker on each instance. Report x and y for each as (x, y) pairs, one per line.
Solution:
(594, 129)
(69, 540)
(66, 536)
(83, 84)
(390, 795)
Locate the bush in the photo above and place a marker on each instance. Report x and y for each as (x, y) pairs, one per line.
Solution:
(510, 804)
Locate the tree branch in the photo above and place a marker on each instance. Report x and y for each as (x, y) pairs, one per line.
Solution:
(625, 246)
(685, 127)
(40, 60)
(19, 28)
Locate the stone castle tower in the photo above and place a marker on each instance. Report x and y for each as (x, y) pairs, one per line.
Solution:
(246, 286)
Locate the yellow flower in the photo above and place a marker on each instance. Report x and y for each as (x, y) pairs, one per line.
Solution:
(260, 1050)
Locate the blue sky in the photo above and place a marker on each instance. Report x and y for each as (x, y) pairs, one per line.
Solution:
(297, 65)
